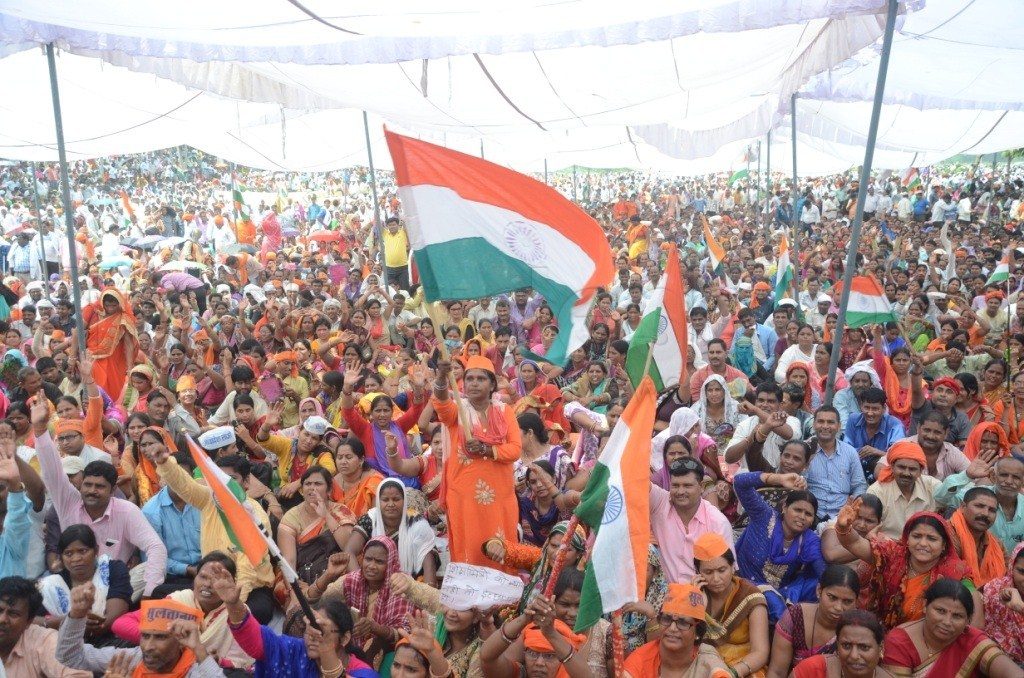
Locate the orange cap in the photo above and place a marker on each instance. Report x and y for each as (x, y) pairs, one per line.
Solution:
(64, 425)
(478, 362)
(709, 546)
(685, 600)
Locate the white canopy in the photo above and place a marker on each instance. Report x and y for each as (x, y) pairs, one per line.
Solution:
(375, 32)
(597, 95)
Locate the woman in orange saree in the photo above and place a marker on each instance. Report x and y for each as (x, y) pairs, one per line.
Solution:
(477, 487)
(112, 339)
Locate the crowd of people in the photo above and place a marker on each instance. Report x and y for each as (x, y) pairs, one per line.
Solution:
(378, 437)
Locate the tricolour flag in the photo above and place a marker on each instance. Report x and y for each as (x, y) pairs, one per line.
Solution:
(1002, 271)
(715, 250)
(479, 229)
(738, 176)
(784, 273)
(868, 304)
(241, 209)
(912, 178)
(616, 504)
(243, 531)
(662, 330)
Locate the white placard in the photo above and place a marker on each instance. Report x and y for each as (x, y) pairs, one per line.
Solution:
(467, 586)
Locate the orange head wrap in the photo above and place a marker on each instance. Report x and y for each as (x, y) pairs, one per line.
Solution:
(201, 335)
(185, 383)
(973, 445)
(533, 638)
(762, 286)
(158, 615)
(903, 449)
(286, 355)
(165, 437)
(685, 600)
(65, 425)
(478, 362)
(219, 220)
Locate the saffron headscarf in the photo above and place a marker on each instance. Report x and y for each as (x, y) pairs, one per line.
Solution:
(902, 449)
(973, 445)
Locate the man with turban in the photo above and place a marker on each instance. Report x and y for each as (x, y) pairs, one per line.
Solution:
(169, 643)
(903, 486)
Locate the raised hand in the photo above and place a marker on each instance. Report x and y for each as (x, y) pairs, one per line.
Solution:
(541, 611)
(9, 472)
(120, 665)
(981, 466)
(420, 635)
(85, 367)
(82, 598)
(187, 633)
(847, 515)
(337, 566)
(40, 411)
(390, 442)
(273, 419)
(792, 481)
(225, 585)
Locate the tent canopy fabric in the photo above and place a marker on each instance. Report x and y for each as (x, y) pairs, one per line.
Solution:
(279, 90)
(374, 32)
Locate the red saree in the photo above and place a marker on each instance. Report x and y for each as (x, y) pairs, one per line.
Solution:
(968, 656)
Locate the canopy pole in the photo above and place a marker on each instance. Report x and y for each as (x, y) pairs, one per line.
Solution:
(545, 170)
(862, 192)
(65, 181)
(574, 183)
(378, 233)
(768, 185)
(793, 202)
(482, 150)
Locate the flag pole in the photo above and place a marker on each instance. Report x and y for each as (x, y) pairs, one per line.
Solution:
(560, 555)
(862, 192)
(293, 582)
(65, 181)
(467, 429)
(618, 644)
(768, 184)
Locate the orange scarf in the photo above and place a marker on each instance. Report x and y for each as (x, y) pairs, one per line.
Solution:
(180, 670)
(899, 405)
(992, 566)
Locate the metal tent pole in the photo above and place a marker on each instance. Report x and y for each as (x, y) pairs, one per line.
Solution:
(65, 181)
(378, 232)
(545, 170)
(793, 200)
(757, 192)
(574, 183)
(862, 192)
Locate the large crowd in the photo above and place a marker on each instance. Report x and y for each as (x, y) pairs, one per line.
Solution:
(378, 438)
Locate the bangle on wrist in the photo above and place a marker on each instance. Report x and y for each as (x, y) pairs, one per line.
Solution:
(568, 657)
(504, 636)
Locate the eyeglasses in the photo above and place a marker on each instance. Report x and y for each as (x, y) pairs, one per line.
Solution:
(682, 623)
(533, 655)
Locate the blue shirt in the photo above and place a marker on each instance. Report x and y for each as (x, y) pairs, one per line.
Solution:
(14, 540)
(179, 530)
(834, 478)
(890, 429)
(768, 339)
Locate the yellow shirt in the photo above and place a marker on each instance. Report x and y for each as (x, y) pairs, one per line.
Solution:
(396, 248)
(282, 449)
(212, 534)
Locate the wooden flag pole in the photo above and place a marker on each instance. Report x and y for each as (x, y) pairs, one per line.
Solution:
(560, 556)
(618, 644)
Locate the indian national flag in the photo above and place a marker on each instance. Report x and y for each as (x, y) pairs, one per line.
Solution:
(479, 229)
(240, 525)
(241, 209)
(127, 204)
(1002, 272)
(663, 330)
(616, 505)
(784, 273)
(738, 176)
(868, 304)
(912, 178)
(715, 250)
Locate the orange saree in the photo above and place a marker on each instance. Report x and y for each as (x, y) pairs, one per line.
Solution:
(112, 342)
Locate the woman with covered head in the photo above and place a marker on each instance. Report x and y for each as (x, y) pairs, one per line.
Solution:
(478, 490)
(383, 435)
(112, 339)
(904, 568)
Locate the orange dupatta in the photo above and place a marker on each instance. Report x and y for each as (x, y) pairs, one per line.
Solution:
(983, 570)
